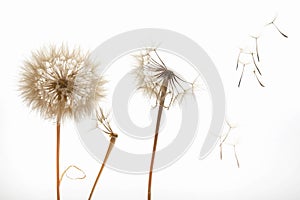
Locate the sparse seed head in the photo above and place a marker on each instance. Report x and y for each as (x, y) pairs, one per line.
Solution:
(61, 83)
(151, 74)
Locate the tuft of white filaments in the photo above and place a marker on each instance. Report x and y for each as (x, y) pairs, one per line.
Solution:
(61, 83)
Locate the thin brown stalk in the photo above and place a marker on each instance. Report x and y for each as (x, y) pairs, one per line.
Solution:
(109, 149)
(57, 158)
(161, 106)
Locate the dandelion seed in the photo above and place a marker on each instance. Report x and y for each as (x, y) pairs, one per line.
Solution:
(256, 46)
(254, 62)
(106, 128)
(238, 59)
(236, 157)
(273, 23)
(222, 141)
(225, 137)
(244, 65)
(60, 83)
(156, 80)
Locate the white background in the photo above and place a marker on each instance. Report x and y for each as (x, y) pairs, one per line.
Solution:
(267, 118)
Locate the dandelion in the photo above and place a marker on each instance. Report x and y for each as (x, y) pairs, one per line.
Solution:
(106, 128)
(157, 81)
(60, 83)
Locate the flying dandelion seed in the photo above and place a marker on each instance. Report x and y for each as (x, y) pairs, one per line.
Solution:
(60, 83)
(243, 69)
(253, 61)
(157, 81)
(224, 139)
(106, 128)
(238, 59)
(256, 46)
(273, 23)
(256, 54)
(262, 85)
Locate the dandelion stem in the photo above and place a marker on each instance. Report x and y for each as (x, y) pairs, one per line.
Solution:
(109, 149)
(57, 158)
(161, 106)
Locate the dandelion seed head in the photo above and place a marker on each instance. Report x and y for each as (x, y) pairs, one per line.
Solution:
(61, 83)
(152, 74)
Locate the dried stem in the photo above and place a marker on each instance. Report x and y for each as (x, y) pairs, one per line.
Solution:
(161, 106)
(57, 158)
(109, 149)
(106, 128)
(66, 170)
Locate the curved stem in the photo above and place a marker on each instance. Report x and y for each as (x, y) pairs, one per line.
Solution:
(66, 170)
(109, 149)
(161, 106)
(57, 158)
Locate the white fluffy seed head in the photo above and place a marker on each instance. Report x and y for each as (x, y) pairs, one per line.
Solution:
(61, 83)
